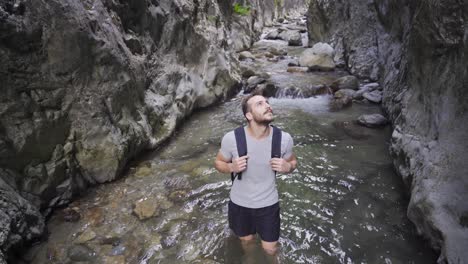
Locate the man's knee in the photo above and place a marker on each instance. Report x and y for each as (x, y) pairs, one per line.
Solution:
(271, 248)
(247, 238)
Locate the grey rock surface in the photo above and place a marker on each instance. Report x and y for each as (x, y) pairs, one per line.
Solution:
(417, 51)
(345, 82)
(87, 85)
(373, 120)
(319, 57)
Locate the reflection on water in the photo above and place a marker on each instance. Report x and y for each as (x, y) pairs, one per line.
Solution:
(343, 204)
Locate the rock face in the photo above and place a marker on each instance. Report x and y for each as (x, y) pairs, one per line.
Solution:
(87, 85)
(417, 50)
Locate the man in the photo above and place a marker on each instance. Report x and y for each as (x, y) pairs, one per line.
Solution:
(254, 206)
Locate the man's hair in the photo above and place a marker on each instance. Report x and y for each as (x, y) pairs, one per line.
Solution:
(245, 106)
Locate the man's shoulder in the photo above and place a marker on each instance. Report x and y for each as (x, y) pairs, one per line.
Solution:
(229, 135)
(285, 135)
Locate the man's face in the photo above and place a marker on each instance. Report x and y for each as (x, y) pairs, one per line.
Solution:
(260, 110)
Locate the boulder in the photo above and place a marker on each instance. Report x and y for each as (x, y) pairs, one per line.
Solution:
(340, 101)
(374, 96)
(345, 92)
(252, 83)
(373, 120)
(295, 39)
(346, 82)
(319, 57)
(246, 55)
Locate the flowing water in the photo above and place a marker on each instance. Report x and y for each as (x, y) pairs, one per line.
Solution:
(343, 204)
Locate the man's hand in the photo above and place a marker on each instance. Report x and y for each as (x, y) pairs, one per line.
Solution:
(239, 164)
(281, 165)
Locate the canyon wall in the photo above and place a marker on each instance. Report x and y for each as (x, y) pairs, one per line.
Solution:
(418, 51)
(87, 85)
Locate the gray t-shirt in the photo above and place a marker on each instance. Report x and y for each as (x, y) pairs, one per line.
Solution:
(258, 186)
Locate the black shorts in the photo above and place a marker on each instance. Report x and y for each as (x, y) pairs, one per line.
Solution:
(247, 221)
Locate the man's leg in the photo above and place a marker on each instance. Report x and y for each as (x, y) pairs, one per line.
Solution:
(268, 227)
(271, 248)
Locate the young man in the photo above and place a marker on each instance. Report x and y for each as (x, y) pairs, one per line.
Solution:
(254, 206)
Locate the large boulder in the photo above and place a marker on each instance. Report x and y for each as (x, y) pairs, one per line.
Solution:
(319, 57)
(295, 39)
(345, 82)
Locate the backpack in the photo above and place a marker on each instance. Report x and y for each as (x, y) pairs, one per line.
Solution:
(241, 143)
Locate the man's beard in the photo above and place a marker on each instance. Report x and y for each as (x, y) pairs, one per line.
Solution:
(262, 120)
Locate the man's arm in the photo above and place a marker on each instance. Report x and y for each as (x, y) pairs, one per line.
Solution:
(225, 166)
(284, 165)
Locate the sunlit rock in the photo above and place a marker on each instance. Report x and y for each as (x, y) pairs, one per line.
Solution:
(146, 208)
(319, 57)
(86, 236)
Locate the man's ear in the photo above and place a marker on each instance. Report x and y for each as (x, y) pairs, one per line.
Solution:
(249, 116)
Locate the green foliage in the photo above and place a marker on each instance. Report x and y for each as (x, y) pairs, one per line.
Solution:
(241, 10)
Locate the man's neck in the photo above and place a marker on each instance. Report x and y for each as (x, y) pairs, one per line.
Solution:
(258, 131)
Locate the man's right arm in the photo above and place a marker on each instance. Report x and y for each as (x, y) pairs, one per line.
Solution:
(225, 166)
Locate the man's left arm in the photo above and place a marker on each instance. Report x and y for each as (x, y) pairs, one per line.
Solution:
(285, 165)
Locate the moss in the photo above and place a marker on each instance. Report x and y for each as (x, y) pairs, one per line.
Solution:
(241, 9)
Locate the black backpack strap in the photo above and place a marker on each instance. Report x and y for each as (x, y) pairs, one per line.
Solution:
(241, 143)
(276, 143)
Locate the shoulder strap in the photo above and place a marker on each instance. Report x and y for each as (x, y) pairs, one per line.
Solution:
(276, 143)
(241, 143)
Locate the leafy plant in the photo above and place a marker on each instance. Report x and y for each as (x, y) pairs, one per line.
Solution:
(241, 10)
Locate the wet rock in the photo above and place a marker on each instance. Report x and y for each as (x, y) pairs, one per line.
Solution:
(268, 55)
(273, 59)
(372, 87)
(114, 241)
(297, 69)
(246, 55)
(352, 130)
(146, 208)
(374, 96)
(266, 89)
(114, 260)
(94, 216)
(86, 236)
(71, 215)
(118, 250)
(346, 82)
(345, 92)
(340, 101)
(252, 83)
(319, 57)
(295, 39)
(293, 64)
(373, 120)
(272, 35)
(20, 221)
(81, 253)
(280, 20)
(276, 51)
(247, 71)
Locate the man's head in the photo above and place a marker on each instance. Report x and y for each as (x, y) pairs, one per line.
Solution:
(257, 108)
